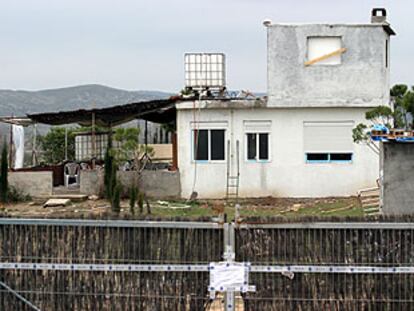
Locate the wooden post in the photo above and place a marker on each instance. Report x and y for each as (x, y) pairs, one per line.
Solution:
(34, 160)
(174, 166)
(66, 143)
(11, 147)
(93, 141)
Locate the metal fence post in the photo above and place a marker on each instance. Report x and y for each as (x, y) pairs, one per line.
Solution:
(229, 255)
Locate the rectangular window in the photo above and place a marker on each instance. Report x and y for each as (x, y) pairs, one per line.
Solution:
(251, 146)
(328, 157)
(217, 145)
(209, 145)
(317, 157)
(258, 146)
(328, 142)
(346, 157)
(322, 46)
(201, 144)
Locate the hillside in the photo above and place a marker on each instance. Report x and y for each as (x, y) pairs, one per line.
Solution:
(19, 103)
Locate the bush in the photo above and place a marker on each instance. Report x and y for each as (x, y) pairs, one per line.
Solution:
(15, 196)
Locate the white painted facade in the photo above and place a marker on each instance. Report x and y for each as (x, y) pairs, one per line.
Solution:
(299, 98)
(287, 173)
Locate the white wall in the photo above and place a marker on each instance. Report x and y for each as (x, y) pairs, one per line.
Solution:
(286, 174)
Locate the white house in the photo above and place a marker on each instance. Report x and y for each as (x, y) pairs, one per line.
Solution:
(297, 142)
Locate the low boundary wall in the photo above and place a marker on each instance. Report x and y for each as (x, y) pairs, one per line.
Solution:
(159, 183)
(35, 184)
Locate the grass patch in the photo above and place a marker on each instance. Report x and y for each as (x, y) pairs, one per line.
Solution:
(342, 207)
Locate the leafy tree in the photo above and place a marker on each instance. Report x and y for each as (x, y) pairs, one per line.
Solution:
(53, 145)
(402, 101)
(4, 168)
(380, 115)
(128, 147)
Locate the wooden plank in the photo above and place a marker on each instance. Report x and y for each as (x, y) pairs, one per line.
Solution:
(326, 56)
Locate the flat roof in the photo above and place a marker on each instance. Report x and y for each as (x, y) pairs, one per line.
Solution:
(386, 26)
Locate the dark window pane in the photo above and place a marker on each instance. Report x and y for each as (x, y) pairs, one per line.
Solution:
(263, 146)
(317, 156)
(201, 144)
(251, 146)
(341, 156)
(217, 144)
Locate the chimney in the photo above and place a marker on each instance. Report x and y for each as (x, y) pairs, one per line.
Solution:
(379, 15)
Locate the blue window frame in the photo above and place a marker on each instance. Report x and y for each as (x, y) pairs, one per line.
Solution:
(334, 157)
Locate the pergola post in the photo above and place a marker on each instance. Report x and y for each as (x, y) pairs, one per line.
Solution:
(34, 156)
(93, 141)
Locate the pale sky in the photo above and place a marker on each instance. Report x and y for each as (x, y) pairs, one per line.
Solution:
(139, 44)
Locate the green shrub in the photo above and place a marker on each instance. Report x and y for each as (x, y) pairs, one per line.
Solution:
(141, 198)
(116, 199)
(15, 196)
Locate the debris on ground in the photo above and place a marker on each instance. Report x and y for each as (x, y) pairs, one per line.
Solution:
(57, 202)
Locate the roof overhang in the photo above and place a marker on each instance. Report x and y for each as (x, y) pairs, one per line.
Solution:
(158, 111)
(23, 121)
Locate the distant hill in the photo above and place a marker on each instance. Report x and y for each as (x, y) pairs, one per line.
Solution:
(19, 103)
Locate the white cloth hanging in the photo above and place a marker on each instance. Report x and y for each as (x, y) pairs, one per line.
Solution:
(18, 142)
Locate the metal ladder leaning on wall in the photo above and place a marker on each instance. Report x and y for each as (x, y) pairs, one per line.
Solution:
(233, 181)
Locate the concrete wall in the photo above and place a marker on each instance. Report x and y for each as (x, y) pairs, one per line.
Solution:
(361, 80)
(286, 174)
(159, 184)
(92, 182)
(35, 184)
(397, 164)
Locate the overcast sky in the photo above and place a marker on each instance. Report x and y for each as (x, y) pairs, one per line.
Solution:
(139, 44)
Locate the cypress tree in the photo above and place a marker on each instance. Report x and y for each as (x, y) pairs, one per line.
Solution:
(132, 199)
(108, 174)
(116, 199)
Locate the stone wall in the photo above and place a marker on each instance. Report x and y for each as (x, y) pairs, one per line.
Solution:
(35, 184)
(397, 164)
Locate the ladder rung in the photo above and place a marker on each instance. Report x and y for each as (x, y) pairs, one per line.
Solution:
(233, 177)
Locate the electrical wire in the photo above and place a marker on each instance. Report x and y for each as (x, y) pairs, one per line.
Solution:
(196, 139)
(18, 296)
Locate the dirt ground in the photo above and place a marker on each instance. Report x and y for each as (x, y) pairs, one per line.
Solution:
(260, 207)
